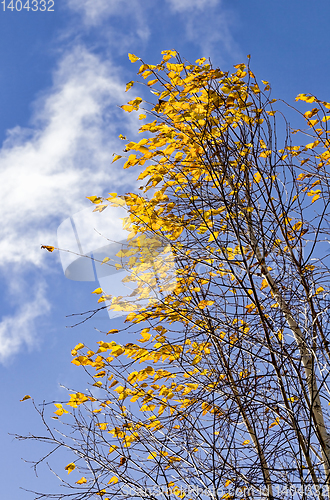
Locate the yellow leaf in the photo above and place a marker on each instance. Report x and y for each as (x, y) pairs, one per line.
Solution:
(47, 247)
(98, 291)
(257, 177)
(246, 442)
(101, 493)
(70, 467)
(129, 85)
(79, 346)
(60, 410)
(100, 208)
(316, 197)
(319, 290)
(297, 226)
(264, 284)
(117, 157)
(145, 336)
(306, 98)
(114, 330)
(127, 107)
(133, 58)
(25, 398)
(113, 480)
(311, 113)
(312, 145)
(102, 426)
(94, 199)
(213, 236)
(82, 481)
(265, 154)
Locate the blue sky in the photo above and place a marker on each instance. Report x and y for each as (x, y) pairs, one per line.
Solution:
(62, 77)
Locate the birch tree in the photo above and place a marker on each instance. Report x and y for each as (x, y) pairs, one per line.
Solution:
(224, 389)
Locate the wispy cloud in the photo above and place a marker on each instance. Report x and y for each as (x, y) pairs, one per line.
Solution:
(208, 24)
(66, 155)
(19, 329)
(189, 5)
(124, 22)
(47, 171)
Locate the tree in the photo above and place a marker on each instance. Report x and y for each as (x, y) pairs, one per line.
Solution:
(226, 392)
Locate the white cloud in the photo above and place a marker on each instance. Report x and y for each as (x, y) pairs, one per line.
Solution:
(188, 5)
(208, 24)
(66, 158)
(97, 11)
(19, 329)
(47, 171)
(131, 27)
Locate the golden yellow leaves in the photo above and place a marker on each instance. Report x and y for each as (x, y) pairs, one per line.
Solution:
(77, 399)
(129, 85)
(257, 177)
(277, 420)
(133, 58)
(113, 480)
(315, 194)
(311, 113)
(205, 303)
(113, 330)
(60, 410)
(48, 247)
(83, 480)
(250, 308)
(312, 145)
(306, 98)
(102, 426)
(265, 154)
(168, 54)
(94, 199)
(116, 157)
(132, 105)
(145, 336)
(25, 398)
(70, 467)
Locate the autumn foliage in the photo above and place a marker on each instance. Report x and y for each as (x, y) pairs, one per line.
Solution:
(224, 386)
